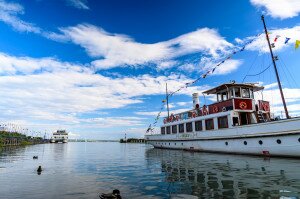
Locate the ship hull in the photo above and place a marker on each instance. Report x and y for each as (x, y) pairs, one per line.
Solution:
(278, 138)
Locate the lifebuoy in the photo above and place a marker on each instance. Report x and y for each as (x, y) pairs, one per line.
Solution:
(215, 109)
(266, 107)
(243, 105)
(224, 109)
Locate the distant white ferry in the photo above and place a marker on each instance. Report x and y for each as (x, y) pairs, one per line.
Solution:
(59, 136)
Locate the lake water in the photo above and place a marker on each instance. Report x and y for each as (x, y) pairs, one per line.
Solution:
(83, 170)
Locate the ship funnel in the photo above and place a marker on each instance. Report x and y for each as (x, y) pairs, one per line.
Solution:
(196, 103)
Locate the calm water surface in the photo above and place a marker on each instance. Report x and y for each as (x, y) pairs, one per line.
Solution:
(83, 170)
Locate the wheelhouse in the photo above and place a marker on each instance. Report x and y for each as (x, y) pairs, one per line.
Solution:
(235, 106)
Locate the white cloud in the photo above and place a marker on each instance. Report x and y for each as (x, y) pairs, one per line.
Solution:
(279, 8)
(166, 65)
(80, 4)
(49, 91)
(187, 67)
(120, 50)
(27, 65)
(8, 14)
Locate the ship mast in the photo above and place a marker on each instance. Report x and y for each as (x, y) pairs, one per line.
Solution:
(167, 98)
(275, 68)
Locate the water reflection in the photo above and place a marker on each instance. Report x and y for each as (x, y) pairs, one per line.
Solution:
(227, 176)
(80, 170)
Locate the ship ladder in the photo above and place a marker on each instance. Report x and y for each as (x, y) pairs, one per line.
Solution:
(261, 118)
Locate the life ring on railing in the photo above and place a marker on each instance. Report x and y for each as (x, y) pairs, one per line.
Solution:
(266, 107)
(224, 109)
(215, 109)
(243, 105)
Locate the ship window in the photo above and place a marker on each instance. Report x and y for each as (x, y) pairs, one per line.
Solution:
(245, 142)
(245, 93)
(189, 127)
(222, 122)
(181, 128)
(237, 92)
(251, 94)
(209, 124)
(231, 93)
(224, 96)
(163, 130)
(198, 125)
(174, 129)
(260, 142)
(168, 130)
(226, 143)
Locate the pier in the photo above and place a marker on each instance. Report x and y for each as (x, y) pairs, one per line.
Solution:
(132, 140)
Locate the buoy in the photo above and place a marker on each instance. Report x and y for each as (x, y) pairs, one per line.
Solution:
(114, 195)
(35, 157)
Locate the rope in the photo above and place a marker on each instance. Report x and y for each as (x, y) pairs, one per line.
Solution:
(258, 73)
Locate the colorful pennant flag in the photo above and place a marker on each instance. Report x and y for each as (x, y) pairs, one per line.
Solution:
(277, 36)
(297, 44)
(286, 40)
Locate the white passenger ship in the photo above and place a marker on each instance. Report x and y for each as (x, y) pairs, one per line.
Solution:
(236, 123)
(59, 136)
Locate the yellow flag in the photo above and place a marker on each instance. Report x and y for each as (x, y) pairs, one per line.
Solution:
(297, 44)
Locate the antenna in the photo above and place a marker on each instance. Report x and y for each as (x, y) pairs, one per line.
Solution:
(275, 68)
(167, 96)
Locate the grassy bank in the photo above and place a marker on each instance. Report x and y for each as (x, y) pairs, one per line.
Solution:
(22, 139)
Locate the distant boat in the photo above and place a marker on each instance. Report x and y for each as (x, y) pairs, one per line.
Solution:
(60, 136)
(236, 123)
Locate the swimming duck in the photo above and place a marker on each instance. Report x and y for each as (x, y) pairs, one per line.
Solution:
(114, 195)
(39, 170)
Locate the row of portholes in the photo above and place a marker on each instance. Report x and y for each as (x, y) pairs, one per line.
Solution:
(226, 143)
(278, 141)
(166, 143)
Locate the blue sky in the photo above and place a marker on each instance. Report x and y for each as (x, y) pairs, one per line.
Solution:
(98, 68)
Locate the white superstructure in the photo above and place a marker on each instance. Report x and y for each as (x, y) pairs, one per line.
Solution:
(236, 123)
(59, 136)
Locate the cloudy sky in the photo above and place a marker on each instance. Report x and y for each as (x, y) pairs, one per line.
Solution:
(98, 68)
